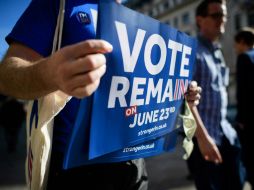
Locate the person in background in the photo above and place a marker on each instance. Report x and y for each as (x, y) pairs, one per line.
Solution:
(12, 117)
(29, 71)
(244, 46)
(222, 170)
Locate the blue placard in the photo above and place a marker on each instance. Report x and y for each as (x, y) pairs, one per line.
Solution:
(78, 147)
(103, 127)
(147, 74)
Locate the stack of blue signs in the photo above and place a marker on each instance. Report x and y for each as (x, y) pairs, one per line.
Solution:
(133, 112)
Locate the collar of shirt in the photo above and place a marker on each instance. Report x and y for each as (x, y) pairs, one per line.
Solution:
(207, 43)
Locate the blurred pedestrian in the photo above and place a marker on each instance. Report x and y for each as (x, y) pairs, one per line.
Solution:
(244, 46)
(222, 170)
(12, 118)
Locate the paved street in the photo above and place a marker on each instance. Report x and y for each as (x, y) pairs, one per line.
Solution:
(12, 169)
(167, 171)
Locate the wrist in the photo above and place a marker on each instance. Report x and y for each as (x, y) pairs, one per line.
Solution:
(200, 133)
(40, 81)
(46, 77)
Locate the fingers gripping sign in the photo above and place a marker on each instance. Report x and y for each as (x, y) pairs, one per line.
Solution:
(77, 69)
(193, 94)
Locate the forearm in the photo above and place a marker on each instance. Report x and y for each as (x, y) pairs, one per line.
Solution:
(23, 79)
(201, 131)
(206, 144)
(75, 70)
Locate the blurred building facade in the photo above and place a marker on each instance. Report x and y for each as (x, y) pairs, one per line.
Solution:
(181, 15)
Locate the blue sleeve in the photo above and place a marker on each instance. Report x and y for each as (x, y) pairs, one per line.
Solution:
(36, 26)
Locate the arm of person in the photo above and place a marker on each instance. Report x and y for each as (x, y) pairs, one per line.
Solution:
(207, 147)
(75, 70)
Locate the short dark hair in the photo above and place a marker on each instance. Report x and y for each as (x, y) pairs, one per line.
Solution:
(202, 8)
(246, 35)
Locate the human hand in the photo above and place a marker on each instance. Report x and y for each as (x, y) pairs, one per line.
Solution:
(209, 149)
(193, 94)
(77, 69)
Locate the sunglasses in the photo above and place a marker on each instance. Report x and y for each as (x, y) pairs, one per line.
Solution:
(217, 16)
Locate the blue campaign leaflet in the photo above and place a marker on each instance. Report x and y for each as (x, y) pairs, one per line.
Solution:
(78, 155)
(78, 146)
(147, 75)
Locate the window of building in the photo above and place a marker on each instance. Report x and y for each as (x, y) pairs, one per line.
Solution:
(154, 12)
(161, 8)
(171, 4)
(176, 22)
(174, 2)
(150, 13)
(237, 21)
(166, 5)
(186, 18)
(251, 19)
